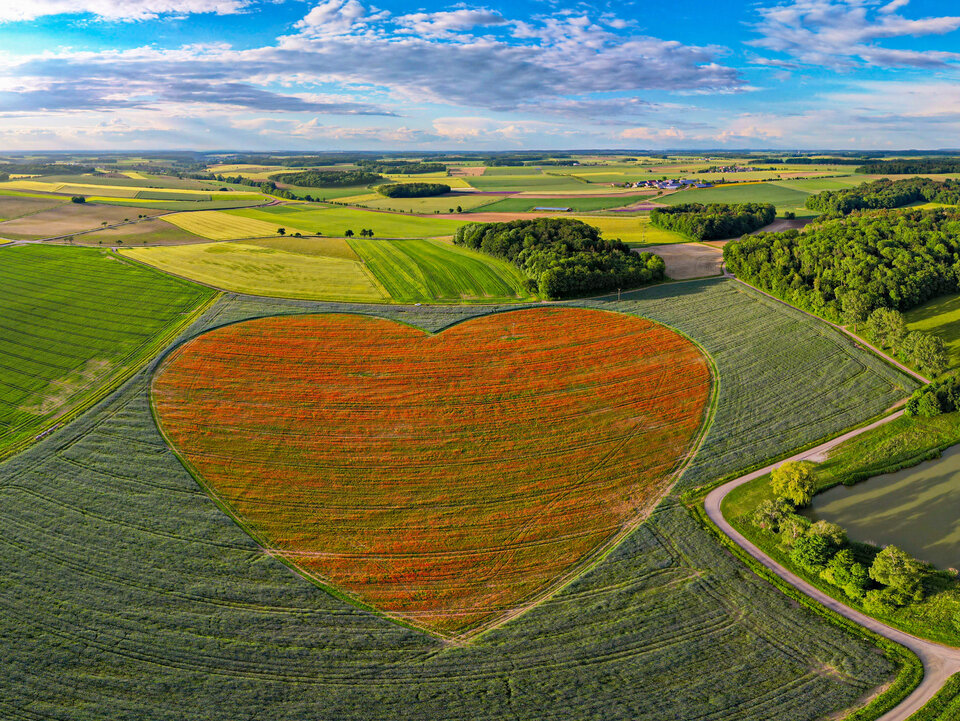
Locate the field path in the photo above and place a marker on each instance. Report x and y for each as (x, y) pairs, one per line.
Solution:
(939, 661)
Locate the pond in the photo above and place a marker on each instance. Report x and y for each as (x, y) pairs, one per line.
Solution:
(917, 509)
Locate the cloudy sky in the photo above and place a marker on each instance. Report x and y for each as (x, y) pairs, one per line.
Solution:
(343, 74)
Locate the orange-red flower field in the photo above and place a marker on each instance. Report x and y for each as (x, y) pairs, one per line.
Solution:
(446, 479)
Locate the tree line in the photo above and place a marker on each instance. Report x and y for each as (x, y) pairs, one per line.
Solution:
(919, 166)
(413, 190)
(885, 193)
(563, 257)
(328, 178)
(714, 221)
(880, 581)
(401, 167)
(846, 268)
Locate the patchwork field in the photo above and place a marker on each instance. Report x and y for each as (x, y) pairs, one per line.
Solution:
(442, 203)
(101, 518)
(217, 225)
(66, 219)
(146, 232)
(335, 220)
(314, 268)
(365, 271)
(512, 490)
(15, 206)
(73, 321)
(583, 204)
(785, 198)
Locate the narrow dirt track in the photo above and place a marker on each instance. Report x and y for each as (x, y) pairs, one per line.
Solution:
(939, 661)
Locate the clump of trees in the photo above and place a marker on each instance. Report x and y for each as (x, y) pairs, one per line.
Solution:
(885, 194)
(890, 578)
(328, 178)
(78, 199)
(920, 166)
(935, 398)
(563, 257)
(401, 167)
(413, 190)
(714, 221)
(847, 268)
(888, 329)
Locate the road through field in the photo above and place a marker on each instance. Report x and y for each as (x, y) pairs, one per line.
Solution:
(939, 661)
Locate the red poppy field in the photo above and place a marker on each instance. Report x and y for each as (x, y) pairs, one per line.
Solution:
(444, 479)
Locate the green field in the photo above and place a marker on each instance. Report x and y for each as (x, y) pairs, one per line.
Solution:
(363, 271)
(424, 271)
(280, 267)
(442, 203)
(786, 199)
(940, 316)
(73, 322)
(129, 594)
(634, 230)
(584, 204)
(530, 180)
(217, 225)
(336, 220)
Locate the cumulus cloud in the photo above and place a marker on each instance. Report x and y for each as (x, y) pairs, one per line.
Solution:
(657, 135)
(125, 10)
(843, 33)
(443, 24)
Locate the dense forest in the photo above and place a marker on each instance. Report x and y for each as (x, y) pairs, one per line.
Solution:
(846, 268)
(885, 194)
(401, 167)
(413, 190)
(920, 166)
(328, 178)
(714, 221)
(563, 257)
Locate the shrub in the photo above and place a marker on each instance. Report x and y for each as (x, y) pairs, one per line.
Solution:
(811, 552)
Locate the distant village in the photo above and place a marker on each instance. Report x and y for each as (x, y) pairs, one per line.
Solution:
(670, 184)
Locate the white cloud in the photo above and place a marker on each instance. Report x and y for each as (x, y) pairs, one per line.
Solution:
(656, 135)
(443, 24)
(20, 10)
(337, 17)
(842, 33)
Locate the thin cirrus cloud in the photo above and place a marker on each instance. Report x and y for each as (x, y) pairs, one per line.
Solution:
(846, 33)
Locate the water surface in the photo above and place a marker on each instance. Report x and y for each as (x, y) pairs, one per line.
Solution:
(917, 509)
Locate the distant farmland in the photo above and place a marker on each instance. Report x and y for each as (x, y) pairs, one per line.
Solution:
(531, 438)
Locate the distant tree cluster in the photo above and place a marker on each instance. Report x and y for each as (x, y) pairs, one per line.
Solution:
(401, 167)
(328, 178)
(919, 166)
(935, 398)
(891, 578)
(885, 194)
(45, 169)
(563, 257)
(845, 269)
(264, 186)
(714, 221)
(413, 190)
(807, 160)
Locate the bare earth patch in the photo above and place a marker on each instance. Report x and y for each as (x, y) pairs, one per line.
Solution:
(687, 260)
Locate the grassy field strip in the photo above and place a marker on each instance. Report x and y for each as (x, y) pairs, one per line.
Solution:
(415, 271)
(335, 220)
(218, 225)
(74, 320)
(261, 269)
(635, 230)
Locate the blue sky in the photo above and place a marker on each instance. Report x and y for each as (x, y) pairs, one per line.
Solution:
(347, 74)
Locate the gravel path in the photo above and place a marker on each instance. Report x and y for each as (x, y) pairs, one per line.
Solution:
(939, 661)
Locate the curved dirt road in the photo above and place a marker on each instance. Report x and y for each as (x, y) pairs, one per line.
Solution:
(939, 661)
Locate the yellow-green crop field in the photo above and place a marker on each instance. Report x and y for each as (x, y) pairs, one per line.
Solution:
(635, 229)
(336, 220)
(221, 225)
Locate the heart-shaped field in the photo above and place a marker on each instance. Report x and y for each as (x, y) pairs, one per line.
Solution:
(447, 479)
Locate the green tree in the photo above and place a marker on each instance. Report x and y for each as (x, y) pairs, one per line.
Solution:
(831, 531)
(930, 354)
(348, 233)
(793, 527)
(811, 552)
(887, 327)
(794, 481)
(281, 231)
(845, 572)
(769, 514)
(855, 309)
(894, 568)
